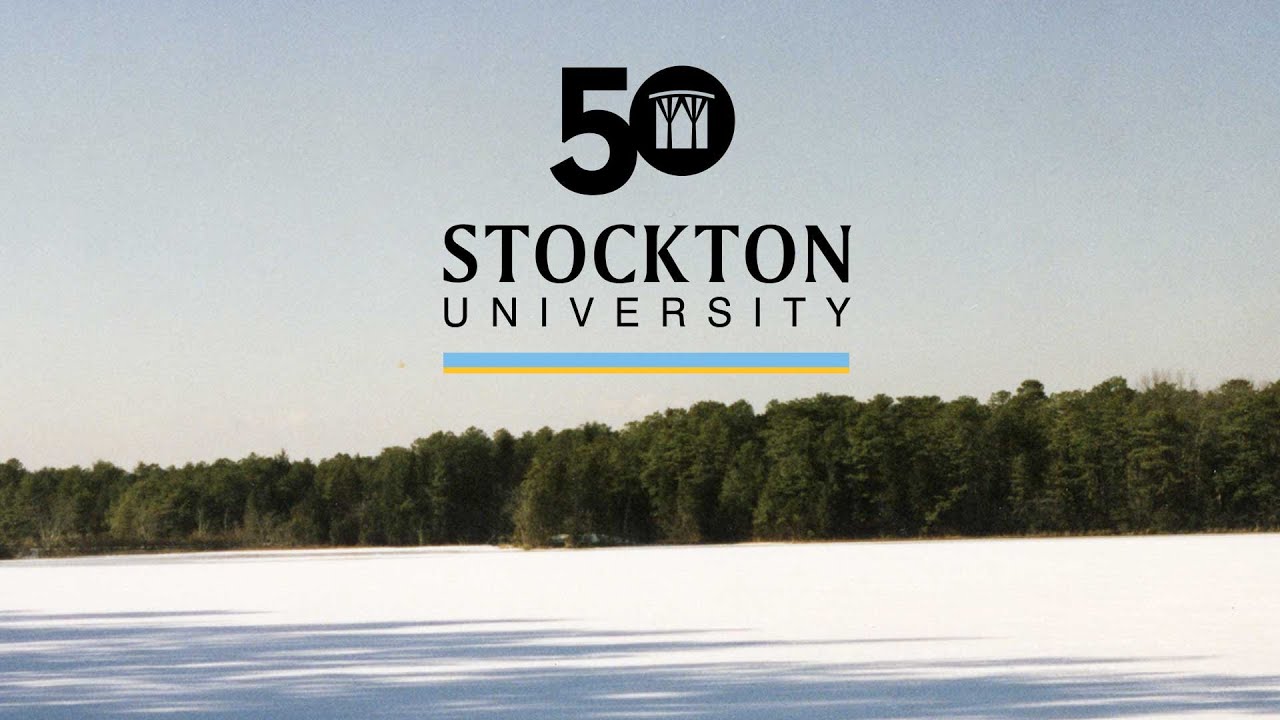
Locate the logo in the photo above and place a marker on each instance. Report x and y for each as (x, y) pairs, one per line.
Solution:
(681, 122)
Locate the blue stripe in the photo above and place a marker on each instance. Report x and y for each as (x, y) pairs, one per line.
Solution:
(647, 360)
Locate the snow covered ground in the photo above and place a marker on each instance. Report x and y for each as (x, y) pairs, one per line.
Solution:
(1070, 628)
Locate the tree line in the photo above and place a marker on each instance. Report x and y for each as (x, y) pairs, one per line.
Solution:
(1112, 459)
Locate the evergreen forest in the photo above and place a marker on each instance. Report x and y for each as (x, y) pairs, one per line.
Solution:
(1111, 459)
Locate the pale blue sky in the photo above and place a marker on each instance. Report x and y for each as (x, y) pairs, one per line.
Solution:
(221, 224)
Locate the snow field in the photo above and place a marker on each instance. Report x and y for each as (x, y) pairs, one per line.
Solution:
(1172, 626)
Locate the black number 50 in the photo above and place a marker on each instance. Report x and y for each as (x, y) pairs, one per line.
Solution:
(679, 94)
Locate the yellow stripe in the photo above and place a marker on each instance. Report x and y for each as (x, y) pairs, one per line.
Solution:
(646, 370)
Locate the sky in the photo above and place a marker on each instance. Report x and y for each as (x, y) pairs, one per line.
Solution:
(221, 224)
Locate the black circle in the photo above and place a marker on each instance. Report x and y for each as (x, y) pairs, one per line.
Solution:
(682, 120)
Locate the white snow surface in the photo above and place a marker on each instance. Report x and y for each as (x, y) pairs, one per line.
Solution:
(1176, 626)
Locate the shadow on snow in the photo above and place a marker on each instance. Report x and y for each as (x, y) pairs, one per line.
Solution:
(156, 663)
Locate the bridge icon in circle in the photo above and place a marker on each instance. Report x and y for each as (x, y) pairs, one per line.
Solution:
(668, 106)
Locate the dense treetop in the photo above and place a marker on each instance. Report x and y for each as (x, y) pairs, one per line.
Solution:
(1111, 459)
